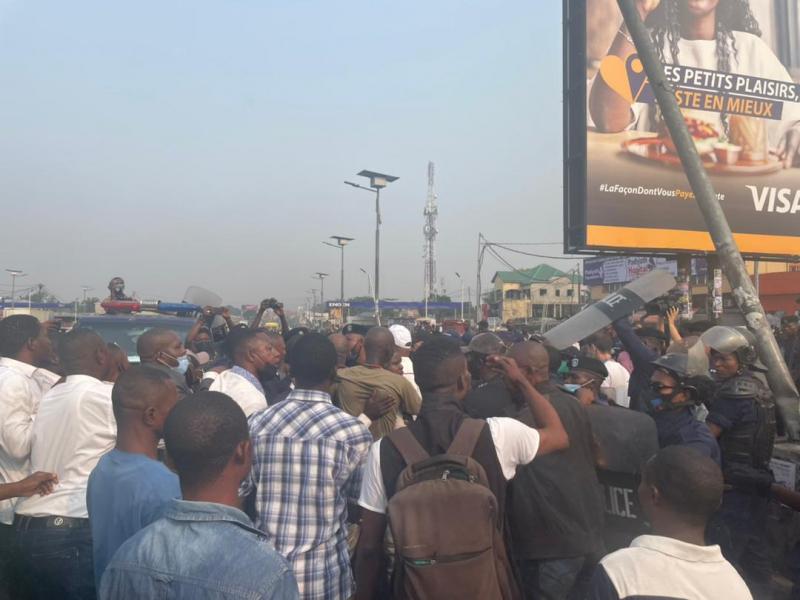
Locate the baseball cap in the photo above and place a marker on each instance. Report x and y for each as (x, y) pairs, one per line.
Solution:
(356, 328)
(486, 343)
(401, 335)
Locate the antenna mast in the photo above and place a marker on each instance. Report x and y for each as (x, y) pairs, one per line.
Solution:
(430, 232)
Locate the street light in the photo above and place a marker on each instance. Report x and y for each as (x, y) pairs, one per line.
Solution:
(341, 242)
(321, 277)
(462, 294)
(14, 274)
(377, 181)
(369, 284)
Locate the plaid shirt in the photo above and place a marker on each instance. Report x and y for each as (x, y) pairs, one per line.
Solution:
(308, 460)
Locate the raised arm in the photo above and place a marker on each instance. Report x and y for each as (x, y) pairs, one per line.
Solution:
(552, 435)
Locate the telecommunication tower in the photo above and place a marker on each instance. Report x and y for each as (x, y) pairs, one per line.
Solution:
(430, 232)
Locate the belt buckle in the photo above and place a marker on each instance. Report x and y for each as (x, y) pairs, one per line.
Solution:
(58, 521)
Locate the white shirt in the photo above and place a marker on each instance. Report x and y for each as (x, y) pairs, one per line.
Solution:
(243, 392)
(21, 387)
(408, 372)
(515, 443)
(617, 381)
(662, 567)
(75, 426)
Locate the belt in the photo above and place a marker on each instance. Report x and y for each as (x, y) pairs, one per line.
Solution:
(23, 523)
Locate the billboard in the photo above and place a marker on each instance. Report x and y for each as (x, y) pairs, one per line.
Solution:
(735, 79)
(622, 269)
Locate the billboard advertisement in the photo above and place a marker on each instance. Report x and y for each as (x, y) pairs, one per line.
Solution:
(622, 269)
(734, 66)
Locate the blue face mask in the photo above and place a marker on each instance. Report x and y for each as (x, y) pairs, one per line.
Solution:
(571, 387)
(183, 365)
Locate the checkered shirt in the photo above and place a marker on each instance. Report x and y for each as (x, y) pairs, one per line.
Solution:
(308, 460)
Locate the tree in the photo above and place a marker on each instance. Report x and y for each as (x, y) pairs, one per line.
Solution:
(439, 298)
(40, 293)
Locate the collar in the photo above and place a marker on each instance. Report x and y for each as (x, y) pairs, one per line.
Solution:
(186, 510)
(248, 376)
(309, 396)
(80, 378)
(679, 549)
(18, 365)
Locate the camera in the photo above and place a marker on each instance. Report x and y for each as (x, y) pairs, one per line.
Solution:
(661, 305)
(272, 303)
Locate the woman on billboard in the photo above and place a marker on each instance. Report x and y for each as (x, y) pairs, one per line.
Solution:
(717, 35)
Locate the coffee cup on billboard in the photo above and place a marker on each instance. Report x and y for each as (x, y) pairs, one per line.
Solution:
(750, 134)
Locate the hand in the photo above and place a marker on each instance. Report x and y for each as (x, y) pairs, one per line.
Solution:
(672, 315)
(509, 367)
(52, 326)
(645, 7)
(278, 309)
(39, 483)
(264, 305)
(788, 146)
(379, 404)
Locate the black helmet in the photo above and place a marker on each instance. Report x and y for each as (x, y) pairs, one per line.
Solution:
(732, 340)
(690, 369)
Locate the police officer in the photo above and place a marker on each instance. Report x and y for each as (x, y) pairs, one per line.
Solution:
(355, 333)
(742, 417)
(680, 381)
(624, 440)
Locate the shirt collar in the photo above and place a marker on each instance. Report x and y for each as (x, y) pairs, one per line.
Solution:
(248, 376)
(80, 378)
(309, 396)
(18, 366)
(186, 510)
(679, 549)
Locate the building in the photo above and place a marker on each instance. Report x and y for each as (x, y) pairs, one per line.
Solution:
(541, 291)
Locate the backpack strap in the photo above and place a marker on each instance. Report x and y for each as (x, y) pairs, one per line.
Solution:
(466, 437)
(408, 446)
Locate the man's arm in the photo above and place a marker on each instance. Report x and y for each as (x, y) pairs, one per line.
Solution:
(640, 355)
(16, 419)
(39, 483)
(552, 435)
(278, 310)
(199, 322)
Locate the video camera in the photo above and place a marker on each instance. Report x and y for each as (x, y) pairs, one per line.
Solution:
(662, 305)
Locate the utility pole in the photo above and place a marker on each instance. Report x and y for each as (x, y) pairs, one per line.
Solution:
(742, 289)
(321, 277)
(461, 281)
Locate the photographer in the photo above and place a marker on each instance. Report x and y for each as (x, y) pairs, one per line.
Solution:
(204, 336)
(277, 308)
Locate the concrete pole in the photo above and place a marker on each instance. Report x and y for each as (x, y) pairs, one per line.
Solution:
(743, 291)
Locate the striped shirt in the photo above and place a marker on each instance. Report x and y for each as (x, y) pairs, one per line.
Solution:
(308, 460)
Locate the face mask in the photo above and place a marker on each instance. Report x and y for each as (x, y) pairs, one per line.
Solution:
(183, 365)
(571, 387)
(205, 347)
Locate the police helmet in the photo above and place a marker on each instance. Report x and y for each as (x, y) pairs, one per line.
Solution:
(732, 340)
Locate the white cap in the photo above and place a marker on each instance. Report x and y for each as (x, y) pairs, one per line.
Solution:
(402, 336)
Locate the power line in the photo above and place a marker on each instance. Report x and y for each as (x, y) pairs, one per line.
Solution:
(504, 247)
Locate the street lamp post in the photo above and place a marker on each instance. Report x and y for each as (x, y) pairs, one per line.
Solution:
(85, 289)
(341, 242)
(321, 277)
(14, 274)
(462, 294)
(369, 283)
(377, 181)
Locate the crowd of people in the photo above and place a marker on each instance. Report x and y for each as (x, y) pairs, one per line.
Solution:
(375, 462)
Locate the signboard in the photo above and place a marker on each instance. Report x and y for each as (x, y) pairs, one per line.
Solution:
(624, 187)
(622, 269)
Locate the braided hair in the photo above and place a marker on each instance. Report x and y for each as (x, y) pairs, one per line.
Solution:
(731, 15)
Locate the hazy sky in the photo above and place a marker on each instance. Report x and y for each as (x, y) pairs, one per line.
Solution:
(206, 142)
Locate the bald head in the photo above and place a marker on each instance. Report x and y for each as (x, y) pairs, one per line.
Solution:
(141, 390)
(533, 359)
(83, 352)
(379, 346)
(342, 346)
(157, 340)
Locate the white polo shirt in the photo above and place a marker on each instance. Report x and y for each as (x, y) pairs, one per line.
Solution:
(660, 567)
(243, 392)
(74, 427)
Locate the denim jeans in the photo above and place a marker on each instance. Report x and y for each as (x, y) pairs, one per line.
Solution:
(551, 579)
(59, 561)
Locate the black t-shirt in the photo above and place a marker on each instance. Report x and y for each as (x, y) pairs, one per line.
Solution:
(555, 508)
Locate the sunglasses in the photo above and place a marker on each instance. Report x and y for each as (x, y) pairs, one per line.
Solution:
(659, 387)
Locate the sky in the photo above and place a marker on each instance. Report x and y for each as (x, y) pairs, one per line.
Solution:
(206, 142)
